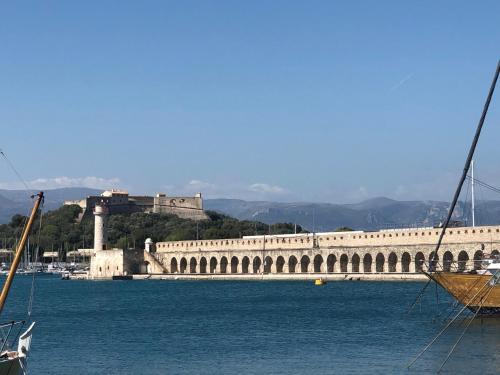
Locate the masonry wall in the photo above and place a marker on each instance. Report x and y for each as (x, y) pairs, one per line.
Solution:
(184, 207)
(116, 262)
(403, 250)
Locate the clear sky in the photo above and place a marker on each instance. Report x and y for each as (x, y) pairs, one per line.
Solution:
(284, 100)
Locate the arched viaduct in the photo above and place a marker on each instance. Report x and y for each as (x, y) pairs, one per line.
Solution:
(390, 251)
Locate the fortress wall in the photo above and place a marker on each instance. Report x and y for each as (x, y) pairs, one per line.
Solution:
(105, 264)
(398, 251)
(184, 207)
(401, 237)
(184, 202)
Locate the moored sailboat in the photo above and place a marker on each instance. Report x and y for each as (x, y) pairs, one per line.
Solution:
(477, 289)
(13, 360)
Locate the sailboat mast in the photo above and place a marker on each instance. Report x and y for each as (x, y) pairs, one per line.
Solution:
(19, 252)
(467, 161)
(472, 195)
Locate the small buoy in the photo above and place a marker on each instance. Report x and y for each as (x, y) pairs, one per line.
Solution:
(319, 282)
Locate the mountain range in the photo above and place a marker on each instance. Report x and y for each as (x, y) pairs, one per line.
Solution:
(17, 201)
(371, 214)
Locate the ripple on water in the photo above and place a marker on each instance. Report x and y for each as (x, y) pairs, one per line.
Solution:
(186, 327)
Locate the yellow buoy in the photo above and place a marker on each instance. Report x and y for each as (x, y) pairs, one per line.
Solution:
(319, 282)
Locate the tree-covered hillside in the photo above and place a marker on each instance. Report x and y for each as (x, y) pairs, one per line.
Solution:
(59, 230)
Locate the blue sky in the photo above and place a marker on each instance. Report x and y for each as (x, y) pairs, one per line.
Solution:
(290, 101)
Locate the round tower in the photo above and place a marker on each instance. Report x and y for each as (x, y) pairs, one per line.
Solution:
(100, 230)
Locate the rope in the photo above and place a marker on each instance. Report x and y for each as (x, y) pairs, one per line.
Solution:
(437, 299)
(32, 292)
(419, 296)
(450, 322)
(484, 184)
(472, 149)
(26, 187)
(466, 327)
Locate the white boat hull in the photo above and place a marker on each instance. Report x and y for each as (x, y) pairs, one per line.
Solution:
(14, 362)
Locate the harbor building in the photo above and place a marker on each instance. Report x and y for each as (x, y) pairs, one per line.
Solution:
(120, 202)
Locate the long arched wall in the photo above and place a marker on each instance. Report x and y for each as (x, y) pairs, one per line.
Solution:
(366, 260)
(398, 251)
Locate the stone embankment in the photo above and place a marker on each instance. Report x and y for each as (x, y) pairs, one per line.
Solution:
(284, 277)
(403, 252)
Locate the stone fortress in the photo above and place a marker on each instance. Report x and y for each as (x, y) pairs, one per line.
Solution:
(386, 254)
(120, 202)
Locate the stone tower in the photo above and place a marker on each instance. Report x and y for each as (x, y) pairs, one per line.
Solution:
(100, 227)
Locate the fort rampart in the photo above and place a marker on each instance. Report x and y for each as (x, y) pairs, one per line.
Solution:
(389, 251)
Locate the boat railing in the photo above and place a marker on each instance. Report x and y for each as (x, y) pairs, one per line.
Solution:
(10, 332)
(465, 266)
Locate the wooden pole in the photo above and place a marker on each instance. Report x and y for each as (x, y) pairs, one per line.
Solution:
(19, 252)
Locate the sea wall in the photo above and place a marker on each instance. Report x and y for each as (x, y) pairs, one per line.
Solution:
(388, 251)
(106, 264)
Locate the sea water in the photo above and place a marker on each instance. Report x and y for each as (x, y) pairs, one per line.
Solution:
(238, 327)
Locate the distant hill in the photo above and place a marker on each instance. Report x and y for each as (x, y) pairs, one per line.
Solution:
(372, 214)
(17, 202)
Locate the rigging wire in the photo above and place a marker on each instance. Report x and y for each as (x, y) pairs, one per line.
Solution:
(485, 185)
(25, 184)
(419, 297)
(468, 160)
(453, 320)
(465, 329)
(26, 187)
(33, 284)
(25, 221)
(466, 212)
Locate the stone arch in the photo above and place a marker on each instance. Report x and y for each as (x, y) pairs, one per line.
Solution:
(367, 263)
(183, 265)
(203, 265)
(478, 256)
(405, 262)
(234, 264)
(343, 263)
(245, 264)
(193, 263)
(318, 262)
(304, 263)
(379, 262)
(223, 265)
(268, 263)
(173, 266)
(433, 260)
(393, 261)
(330, 263)
(280, 264)
(463, 258)
(495, 254)
(419, 261)
(256, 264)
(447, 261)
(213, 265)
(292, 264)
(355, 262)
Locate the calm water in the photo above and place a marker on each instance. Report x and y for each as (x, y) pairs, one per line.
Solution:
(182, 327)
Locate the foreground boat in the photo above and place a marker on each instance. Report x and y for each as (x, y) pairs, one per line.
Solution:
(13, 360)
(479, 289)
